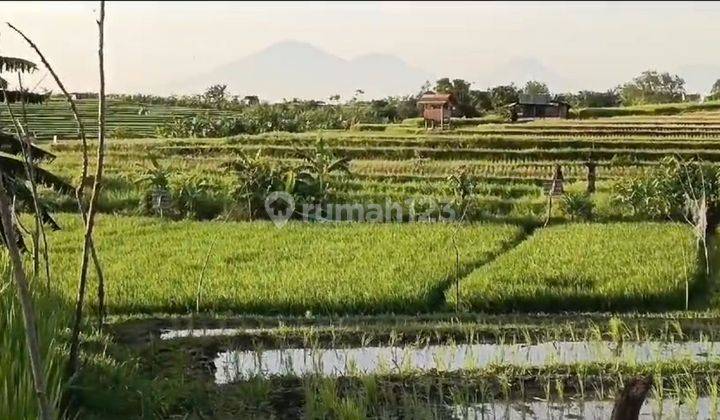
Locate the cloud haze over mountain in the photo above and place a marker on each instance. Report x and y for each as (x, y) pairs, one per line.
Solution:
(292, 69)
(383, 48)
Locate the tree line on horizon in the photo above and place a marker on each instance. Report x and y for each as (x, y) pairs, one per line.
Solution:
(251, 116)
(650, 87)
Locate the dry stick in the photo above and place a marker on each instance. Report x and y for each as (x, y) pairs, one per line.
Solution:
(100, 158)
(75, 340)
(79, 192)
(27, 148)
(47, 412)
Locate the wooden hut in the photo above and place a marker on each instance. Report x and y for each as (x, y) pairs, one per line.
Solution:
(530, 107)
(437, 109)
(251, 100)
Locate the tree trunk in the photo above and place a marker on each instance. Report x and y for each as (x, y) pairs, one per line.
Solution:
(630, 400)
(47, 412)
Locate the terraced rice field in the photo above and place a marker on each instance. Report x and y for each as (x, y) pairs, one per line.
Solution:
(245, 320)
(54, 118)
(513, 164)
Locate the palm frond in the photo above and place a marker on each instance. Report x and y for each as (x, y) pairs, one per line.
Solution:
(339, 165)
(18, 235)
(12, 145)
(13, 64)
(15, 168)
(13, 96)
(22, 194)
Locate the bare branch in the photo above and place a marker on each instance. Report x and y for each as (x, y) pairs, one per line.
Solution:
(90, 223)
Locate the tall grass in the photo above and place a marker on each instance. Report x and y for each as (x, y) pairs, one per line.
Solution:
(620, 266)
(155, 266)
(17, 393)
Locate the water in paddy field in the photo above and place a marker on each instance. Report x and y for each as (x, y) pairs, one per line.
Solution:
(701, 408)
(232, 366)
(206, 332)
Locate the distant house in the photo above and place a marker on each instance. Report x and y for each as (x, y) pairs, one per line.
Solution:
(437, 108)
(692, 97)
(538, 106)
(251, 100)
(83, 95)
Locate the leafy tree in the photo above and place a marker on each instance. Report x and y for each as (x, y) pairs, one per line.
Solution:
(592, 99)
(462, 93)
(715, 91)
(503, 95)
(652, 87)
(536, 88)
(480, 100)
(216, 95)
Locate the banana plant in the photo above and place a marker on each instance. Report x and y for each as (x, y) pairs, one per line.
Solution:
(315, 173)
(15, 176)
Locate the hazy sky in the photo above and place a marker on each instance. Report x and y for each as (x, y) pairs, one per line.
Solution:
(590, 45)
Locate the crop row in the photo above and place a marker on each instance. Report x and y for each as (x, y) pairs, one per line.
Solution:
(466, 142)
(402, 153)
(259, 268)
(625, 267)
(371, 268)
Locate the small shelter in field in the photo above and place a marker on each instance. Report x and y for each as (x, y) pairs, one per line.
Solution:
(530, 107)
(251, 100)
(437, 108)
(83, 95)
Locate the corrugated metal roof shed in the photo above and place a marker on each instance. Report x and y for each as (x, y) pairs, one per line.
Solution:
(436, 99)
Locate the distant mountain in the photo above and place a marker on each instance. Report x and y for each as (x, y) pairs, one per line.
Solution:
(522, 70)
(293, 69)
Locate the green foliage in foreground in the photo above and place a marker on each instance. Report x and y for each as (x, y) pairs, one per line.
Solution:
(588, 267)
(155, 266)
(17, 392)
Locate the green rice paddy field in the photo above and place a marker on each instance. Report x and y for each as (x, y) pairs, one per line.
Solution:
(253, 267)
(160, 266)
(512, 163)
(630, 288)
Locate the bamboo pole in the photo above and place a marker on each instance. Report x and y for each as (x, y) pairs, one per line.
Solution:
(90, 224)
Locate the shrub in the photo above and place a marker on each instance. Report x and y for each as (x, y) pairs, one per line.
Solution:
(577, 205)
